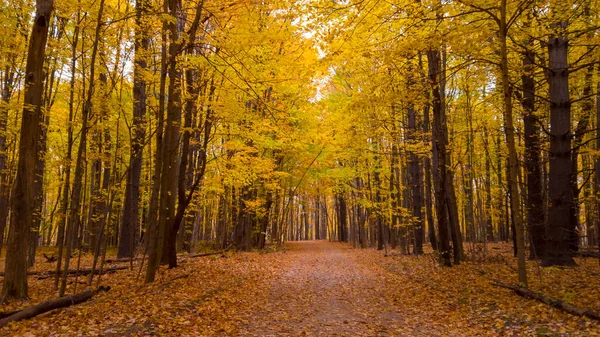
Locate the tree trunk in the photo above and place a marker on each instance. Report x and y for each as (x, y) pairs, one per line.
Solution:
(559, 187)
(580, 130)
(8, 85)
(131, 210)
(488, 190)
(64, 206)
(342, 217)
(597, 163)
(23, 199)
(439, 152)
(451, 204)
(74, 218)
(152, 239)
(415, 182)
(513, 162)
(535, 201)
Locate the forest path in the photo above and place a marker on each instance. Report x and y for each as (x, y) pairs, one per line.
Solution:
(324, 289)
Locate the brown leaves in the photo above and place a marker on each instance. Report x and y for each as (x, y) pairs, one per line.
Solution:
(322, 289)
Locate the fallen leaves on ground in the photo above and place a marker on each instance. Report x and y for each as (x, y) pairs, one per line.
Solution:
(322, 289)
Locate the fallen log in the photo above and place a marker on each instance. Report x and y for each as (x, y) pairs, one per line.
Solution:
(56, 303)
(29, 273)
(205, 254)
(209, 254)
(8, 313)
(122, 260)
(587, 254)
(558, 304)
(82, 272)
(46, 274)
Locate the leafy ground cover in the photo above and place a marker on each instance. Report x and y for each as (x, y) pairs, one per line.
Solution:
(317, 288)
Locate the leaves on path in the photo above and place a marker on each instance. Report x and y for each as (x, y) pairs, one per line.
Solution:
(322, 289)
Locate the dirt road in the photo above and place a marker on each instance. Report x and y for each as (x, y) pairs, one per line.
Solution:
(323, 289)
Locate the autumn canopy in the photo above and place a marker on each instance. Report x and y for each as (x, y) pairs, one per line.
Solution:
(160, 147)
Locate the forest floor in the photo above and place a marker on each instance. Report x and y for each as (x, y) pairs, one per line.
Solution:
(317, 288)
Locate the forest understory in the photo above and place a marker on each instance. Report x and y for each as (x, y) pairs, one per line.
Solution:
(320, 288)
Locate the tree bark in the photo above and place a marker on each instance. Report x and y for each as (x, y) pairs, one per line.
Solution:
(580, 131)
(342, 217)
(439, 152)
(74, 218)
(415, 181)
(131, 210)
(513, 162)
(535, 201)
(559, 187)
(23, 199)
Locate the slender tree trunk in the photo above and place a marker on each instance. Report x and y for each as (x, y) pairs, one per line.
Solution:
(64, 207)
(580, 130)
(488, 189)
(428, 184)
(152, 239)
(74, 218)
(8, 84)
(417, 188)
(131, 210)
(513, 163)
(467, 172)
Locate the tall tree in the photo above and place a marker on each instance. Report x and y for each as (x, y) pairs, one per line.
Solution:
(23, 199)
(439, 151)
(559, 187)
(533, 170)
(131, 210)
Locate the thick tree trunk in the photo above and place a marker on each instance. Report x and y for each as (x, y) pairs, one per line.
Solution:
(415, 182)
(264, 220)
(597, 163)
(38, 189)
(342, 217)
(455, 234)
(535, 201)
(560, 194)
(23, 199)
(439, 152)
(451, 204)
(152, 239)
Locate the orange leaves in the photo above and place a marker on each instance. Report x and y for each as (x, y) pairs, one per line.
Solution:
(321, 289)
